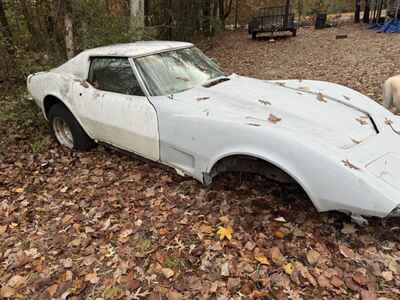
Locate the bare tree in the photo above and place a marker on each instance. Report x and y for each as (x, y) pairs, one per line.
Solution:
(225, 8)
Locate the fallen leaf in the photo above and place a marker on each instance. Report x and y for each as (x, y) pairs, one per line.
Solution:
(277, 256)
(280, 219)
(174, 295)
(348, 229)
(348, 164)
(16, 281)
(280, 234)
(167, 272)
(313, 257)
(92, 278)
(262, 260)
(19, 190)
(360, 278)
(3, 229)
(52, 289)
(7, 292)
(274, 119)
(225, 233)
(388, 275)
(288, 268)
(225, 269)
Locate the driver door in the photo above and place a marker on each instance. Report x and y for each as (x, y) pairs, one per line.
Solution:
(116, 109)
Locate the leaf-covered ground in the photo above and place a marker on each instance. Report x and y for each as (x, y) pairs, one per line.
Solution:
(104, 225)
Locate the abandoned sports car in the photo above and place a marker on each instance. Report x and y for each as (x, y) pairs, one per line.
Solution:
(168, 102)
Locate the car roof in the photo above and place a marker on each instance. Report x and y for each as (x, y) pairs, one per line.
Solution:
(79, 65)
(136, 49)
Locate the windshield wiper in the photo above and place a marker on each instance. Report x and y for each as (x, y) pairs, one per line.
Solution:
(215, 81)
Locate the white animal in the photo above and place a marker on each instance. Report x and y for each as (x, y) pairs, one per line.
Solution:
(391, 93)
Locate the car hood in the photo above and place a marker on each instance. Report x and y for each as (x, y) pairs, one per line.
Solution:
(323, 111)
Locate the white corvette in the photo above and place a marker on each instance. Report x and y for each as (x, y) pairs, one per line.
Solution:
(166, 101)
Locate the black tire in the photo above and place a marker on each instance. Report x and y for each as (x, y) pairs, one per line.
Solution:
(80, 140)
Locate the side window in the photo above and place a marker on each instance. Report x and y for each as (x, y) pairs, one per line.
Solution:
(114, 75)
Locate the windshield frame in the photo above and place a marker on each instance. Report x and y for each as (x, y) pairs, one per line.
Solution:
(148, 90)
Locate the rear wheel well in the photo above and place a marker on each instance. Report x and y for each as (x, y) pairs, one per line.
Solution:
(249, 164)
(50, 101)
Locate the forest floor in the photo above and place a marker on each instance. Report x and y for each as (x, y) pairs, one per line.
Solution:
(104, 225)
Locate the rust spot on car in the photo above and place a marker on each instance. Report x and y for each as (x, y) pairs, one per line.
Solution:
(321, 98)
(254, 124)
(203, 98)
(348, 164)
(274, 119)
(264, 102)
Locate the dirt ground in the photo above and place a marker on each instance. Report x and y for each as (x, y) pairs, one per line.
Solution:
(104, 225)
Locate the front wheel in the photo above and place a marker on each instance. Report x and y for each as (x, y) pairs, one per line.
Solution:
(67, 130)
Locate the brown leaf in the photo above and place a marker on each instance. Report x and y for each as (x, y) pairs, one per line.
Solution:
(348, 164)
(277, 256)
(92, 278)
(167, 272)
(360, 278)
(313, 257)
(17, 281)
(52, 289)
(7, 292)
(274, 119)
(321, 97)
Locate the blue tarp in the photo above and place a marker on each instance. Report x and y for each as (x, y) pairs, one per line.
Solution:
(391, 26)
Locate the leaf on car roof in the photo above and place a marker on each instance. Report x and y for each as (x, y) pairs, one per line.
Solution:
(274, 119)
(321, 98)
(265, 102)
(348, 164)
(356, 141)
(254, 124)
(203, 98)
(280, 83)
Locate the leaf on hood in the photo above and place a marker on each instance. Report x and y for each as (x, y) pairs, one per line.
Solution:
(348, 164)
(347, 98)
(361, 121)
(203, 98)
(225, 233)
(274, 119)
(321, 98)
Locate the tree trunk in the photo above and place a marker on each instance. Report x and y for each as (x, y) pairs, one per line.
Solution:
(357, 11)
(366, 12)
(69, 29)
(6, 31)
(300, 6)
(137, 18)
(28, 17)
(237, 14)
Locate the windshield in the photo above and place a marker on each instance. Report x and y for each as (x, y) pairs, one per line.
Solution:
(176, 71)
